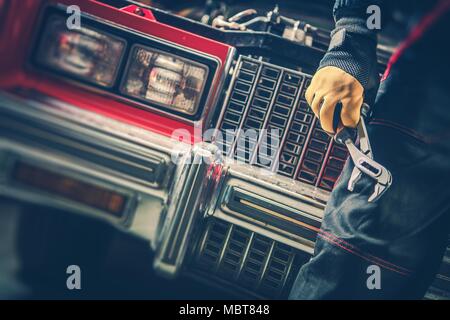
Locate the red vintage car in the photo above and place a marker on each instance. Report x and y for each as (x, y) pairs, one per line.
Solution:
(115, 145)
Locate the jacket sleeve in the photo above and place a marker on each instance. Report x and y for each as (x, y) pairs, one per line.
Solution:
(353, 45)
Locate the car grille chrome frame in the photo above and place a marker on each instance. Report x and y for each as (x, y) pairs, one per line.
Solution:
(257, 232)
(190, 197)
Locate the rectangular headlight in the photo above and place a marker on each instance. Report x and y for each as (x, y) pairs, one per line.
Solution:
(165, 79)
(83, 53)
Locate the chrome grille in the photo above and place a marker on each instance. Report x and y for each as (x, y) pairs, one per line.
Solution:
(266, 96)
(440, 288)
(243, 259)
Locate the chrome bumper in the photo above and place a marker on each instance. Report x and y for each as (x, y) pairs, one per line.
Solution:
(172, 190)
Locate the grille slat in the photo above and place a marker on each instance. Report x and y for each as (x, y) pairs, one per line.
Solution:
(265, 96)
(246, 260)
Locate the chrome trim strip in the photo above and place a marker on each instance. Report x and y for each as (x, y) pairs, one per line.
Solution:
(185, 209)
(209, 112)
(271, 212)
(13, 152)
(275, 192)
(47, 117)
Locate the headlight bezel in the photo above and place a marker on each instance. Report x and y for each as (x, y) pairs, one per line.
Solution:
(38, 58)
(192, 63)
(132, 39)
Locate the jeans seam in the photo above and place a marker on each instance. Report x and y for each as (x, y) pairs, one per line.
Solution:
(368, 257)
(405, 130)
(368, 254)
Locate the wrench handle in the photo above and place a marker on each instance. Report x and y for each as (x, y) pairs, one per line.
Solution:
(349, 133)
(366, 111)
(346, 134)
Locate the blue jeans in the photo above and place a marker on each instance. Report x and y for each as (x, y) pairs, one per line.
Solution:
(404, 234)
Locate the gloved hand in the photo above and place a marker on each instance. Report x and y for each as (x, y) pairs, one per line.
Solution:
(329, 86)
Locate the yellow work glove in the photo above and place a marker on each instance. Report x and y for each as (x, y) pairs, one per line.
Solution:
(329, 86)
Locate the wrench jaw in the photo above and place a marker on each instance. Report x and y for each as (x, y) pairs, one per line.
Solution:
(383, 183)
(362, 158)
(368, 166)
(354, 178)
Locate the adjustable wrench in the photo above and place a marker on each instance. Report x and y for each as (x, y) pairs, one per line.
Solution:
(362, 157)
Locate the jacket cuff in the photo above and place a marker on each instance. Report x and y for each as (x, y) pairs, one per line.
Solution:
(353, 49)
